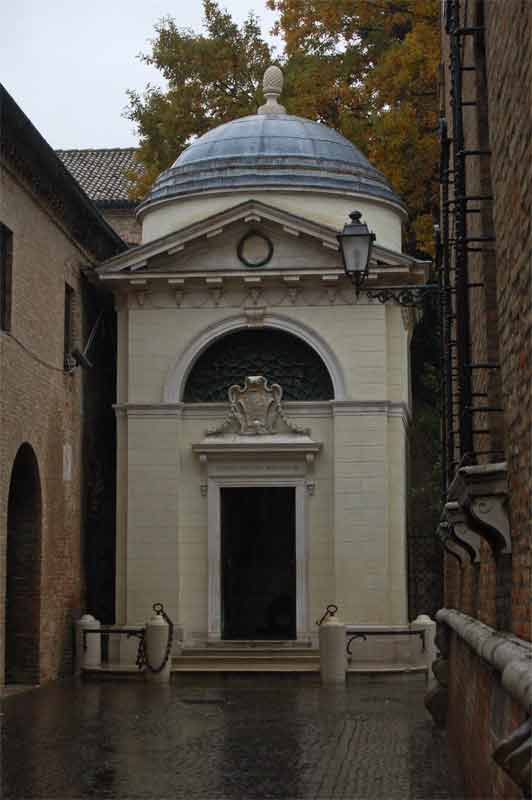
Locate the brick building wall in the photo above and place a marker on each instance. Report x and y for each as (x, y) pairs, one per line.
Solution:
(500, 301)
(509, 72)
(44, 415)
(496, 81)
(41, 406)
(481, 715)
(124, 222)
(478, 592)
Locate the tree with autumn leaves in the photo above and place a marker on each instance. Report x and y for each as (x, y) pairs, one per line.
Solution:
(212, 77)
(367, 68)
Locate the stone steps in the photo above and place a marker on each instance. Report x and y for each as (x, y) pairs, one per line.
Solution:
(210, 674)
(210, 654)
(261, 644)
(232, 665)
(247, 676)
(228, 659)
(240, 657)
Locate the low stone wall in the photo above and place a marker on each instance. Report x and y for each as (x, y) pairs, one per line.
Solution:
(480, 715)
(484, 696)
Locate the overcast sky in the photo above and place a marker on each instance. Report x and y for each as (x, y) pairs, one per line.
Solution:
(68, 64)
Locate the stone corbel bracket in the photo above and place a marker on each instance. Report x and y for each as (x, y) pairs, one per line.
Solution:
(138, 288)
(310, 482)
(215, 287)
(449, 545)
(482, 491)
(204, 474)
(460, 532)
(514, 756)
(178, 286)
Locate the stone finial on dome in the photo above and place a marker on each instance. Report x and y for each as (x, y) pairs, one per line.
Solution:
(272, 86)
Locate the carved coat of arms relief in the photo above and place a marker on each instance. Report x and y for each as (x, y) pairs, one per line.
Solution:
(255, 409)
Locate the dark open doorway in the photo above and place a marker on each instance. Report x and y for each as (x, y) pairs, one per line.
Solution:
(23, 570)
(258, 563)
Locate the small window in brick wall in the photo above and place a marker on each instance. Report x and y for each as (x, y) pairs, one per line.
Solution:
(6, 266)
(70, 300)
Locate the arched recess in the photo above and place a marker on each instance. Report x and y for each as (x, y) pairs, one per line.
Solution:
(303, 337)
(23, 570)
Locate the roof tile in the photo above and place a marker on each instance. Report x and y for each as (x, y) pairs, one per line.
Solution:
(101, 173)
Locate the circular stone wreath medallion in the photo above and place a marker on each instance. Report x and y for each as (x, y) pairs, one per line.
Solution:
(254, 249)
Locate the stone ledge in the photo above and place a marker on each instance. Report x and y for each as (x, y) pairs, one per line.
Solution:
(506, 653)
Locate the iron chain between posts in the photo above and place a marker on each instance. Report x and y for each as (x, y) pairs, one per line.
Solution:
(330, 611)
(142, 655)
(352, 639)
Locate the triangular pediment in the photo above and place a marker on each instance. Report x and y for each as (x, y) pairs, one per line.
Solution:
(248, 238)
(219, 244)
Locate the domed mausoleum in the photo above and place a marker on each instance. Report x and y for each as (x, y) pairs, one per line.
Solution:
(301, 166)
(262, 403)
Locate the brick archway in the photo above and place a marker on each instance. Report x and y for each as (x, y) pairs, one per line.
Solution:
(23, 570)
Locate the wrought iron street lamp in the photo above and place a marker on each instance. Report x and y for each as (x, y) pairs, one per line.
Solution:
(356, 241)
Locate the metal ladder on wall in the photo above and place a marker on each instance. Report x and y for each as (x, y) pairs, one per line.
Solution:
(461, 404)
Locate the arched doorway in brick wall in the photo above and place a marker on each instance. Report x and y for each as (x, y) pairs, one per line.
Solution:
(23, 570)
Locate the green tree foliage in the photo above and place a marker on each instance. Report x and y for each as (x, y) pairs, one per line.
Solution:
(211, 78)
(369, 69)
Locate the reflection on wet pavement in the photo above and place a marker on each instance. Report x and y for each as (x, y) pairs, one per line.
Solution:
(130, 740)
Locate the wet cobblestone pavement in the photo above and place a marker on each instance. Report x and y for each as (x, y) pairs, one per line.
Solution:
(372, 740)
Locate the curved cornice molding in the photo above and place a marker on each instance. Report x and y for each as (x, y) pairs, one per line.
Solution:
(359, 195)
(300, 409)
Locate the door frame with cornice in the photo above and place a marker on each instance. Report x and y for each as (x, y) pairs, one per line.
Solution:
(255, 479)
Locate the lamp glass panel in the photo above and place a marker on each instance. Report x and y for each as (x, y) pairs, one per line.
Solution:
(356, 251)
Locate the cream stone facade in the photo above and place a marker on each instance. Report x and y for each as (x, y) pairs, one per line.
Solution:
(224, 261)
(324, 207)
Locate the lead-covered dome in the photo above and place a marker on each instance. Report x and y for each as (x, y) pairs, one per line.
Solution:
(271, 150)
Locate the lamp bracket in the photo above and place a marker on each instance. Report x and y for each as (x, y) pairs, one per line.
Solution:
(402, 295)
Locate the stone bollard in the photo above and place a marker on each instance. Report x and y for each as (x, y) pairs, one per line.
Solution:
(424, 621)
(333, 655)
(156, 644)
(88, 652)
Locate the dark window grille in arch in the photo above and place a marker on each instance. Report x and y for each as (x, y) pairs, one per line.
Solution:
(280, 356)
